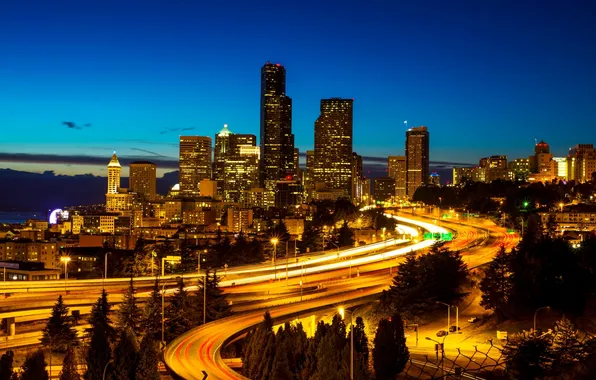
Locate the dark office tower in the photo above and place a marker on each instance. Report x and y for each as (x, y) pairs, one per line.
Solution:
(417, 154)
(142, 179)
(297, 162)
(195, 163)
(307, 178)
(221, 151)
(357, 176)
(333, 145)
(277, 140)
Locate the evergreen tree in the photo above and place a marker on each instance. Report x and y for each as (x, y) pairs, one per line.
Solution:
(100, 317)
(180, 315)
(98, 354)
(527, 356)
(34, 367)
(151, 322)
(390, 353)
(129, 313)
(332, 362)
(125, 356)
(217, 304)
(148, 360)
(256, 348)
(345, 236)
(70, 369)
(497, 284)
(566, 348)
(6, 362)
(59, 333)
(360, 350)
(281, 365)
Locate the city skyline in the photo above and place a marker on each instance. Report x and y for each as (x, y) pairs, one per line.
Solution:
(134, 90)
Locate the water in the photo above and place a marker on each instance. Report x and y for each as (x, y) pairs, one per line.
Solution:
(20, 217)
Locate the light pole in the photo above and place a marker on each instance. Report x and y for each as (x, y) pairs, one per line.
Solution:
(342, 312)
(536, 313)
(442, 346)
(65, 260)
(448, 313)
(163, 297)
(106, 368)
(105, 260)
(199, 260)
(274, 242)
(300, 290)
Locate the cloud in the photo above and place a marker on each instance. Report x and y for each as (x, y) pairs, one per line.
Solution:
(161, 162)
(148, 151)
(73, 125)
(169, 130)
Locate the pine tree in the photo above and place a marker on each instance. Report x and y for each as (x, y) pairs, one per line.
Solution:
(6, 362)
(70, 370)
(331, 359)
(125, 356)
(98, 354)
(59, 333)
(217, 304)
(129, 313)
(280, 365)
(346, 236)
(34, 367)
(390, 353)
(497, 284)
(180, 315)
(527, 357)
(151, 322)
(360, 349)
(148, 360)
(566, 347)
(100, 317)
(256, 345)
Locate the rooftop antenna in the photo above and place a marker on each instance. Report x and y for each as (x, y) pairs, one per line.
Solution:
(406, 123)
(535, 141)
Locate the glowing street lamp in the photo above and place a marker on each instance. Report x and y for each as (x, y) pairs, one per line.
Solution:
(274, 241)
(65, 260)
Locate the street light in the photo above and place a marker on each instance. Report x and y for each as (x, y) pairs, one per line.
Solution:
(274, 242)
(442, 346)
(65, 260)
(448, 313)
(535, 313)
(561, 206)
(342, 311)
(105, 260)
(199, 260)
(163, 293)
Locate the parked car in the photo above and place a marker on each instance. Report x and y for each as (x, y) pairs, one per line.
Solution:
(473, 319)
(441, 333)
(453, 329)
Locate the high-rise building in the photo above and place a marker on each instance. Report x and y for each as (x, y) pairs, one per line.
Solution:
(396, 168)
(542, 166)
(277, 140)
(297, 162)
(241, 170)
(417, 159)
(195, 163)
(520, 167)
(561, 163)
(384, 188)
(434, 179)
(333, 145)
(307, 178)
(142, 179)
(114, 169)
(220, 153)
(495, 167)
(581, 163)
(357, 175)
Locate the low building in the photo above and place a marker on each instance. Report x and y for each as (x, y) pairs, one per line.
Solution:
(239, 219)
(295, 226)
(26, 271)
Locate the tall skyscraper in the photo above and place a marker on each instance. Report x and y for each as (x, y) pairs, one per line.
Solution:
(221, 151)
(277, 140)
(142, 179)
(581, 163)
(357, 176)
(333, 144)
(114, 169)
(417, 159)
(241, 170)
(396, 168)
(195, 163)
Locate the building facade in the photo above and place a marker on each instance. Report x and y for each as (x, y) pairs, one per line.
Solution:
(417, 159)
(195, 163)
(581, 163)
(384, 188)
(142, 179)
(396, 169)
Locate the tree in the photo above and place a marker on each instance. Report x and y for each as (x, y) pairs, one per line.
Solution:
(332, 360)
(497, 284)
(527, 356)
(129, 313)
(151, 322)
(6, 362)
(180, 314)
(34, 367)
(390, 353)
(98, 354)
(345, 236)
(147, 360)
(70, 369)
(281, 365)
(125, 356)
(255, 361)
(100, 317)
(566, 348)
(217, 304)
(59, 333)
(312, 238)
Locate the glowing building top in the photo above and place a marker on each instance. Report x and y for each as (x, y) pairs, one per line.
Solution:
(114, 175)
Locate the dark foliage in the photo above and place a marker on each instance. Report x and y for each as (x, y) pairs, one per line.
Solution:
(34, 367)
(59, 333)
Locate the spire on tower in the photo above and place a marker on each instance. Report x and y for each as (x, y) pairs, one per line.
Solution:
(114, 161)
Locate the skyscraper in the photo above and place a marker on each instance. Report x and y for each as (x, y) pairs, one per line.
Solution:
(581, 163)
(142, 179)
(417, 159)
(195, 163)
(333, 144)
(396, 168)
(357, 176)
(277, 140)
(113, 175)
(241, 171)
(222, 143)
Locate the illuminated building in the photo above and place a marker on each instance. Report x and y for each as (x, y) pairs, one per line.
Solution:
(520, 167)
(113, 175)
(581, 163)
(254, 197)
(396, 169)
(241, 167)
(561, 163)
(333, 145)
(384, 188)
(357, 175)
(542, 166)
(47, 253)
(277, 140)
(366, 195)
(434, 179)
(208, 188)
(417, 159)
(142, 179)
(239, 219)
(288, 193)
(220, 154)
(495, 168)
(297, 170)
(195, 163)
(308, 180)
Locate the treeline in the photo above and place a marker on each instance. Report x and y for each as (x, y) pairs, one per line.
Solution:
(290, 355)
(126, 348)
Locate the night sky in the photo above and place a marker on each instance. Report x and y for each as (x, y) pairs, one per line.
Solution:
(486, 77)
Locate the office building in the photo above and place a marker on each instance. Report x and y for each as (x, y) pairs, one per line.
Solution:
(288, 193)
(308, 178)
(241, 167)
(333, 145)
(561, 163)
(220, 153)
(195, 163)
(384, 188)
(434, 179)
(396, 169)
(520, 168)
(142, 179)
(357, 176)
(417, 159)
(277, 140)
(495, 167)
(114, 169)
(581, 163)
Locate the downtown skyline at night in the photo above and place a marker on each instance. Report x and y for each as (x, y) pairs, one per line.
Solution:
(486, 79)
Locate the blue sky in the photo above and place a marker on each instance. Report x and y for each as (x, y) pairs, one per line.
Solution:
(486, 77)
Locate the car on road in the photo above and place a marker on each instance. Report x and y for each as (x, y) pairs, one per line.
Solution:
(452, 329)
(441, 333)
(473, 319)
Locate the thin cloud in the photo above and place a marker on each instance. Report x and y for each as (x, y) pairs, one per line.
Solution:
(161, 162)
(170, 130)
(148, 151)
(73, 125)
